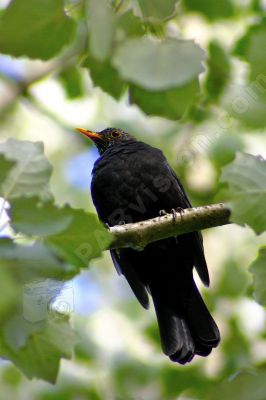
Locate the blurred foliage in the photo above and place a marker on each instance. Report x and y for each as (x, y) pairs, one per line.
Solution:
(187, 76)
(246, 178)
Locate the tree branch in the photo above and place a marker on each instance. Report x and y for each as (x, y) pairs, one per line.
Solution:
(138, 235)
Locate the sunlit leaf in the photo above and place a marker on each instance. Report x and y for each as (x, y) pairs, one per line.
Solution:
(30, 261)
(32, 172)
(247, 103)
(32, 217)
(222, 150)
(158, 65)
(35, 28)
(101, 22)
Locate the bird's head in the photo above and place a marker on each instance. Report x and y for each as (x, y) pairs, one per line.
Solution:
(106, 138)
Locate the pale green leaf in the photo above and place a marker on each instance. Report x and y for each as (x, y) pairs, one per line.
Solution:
(30, 261)
(30, 176)
(158, 65)
(246, 190)
(101, 22)
(32, 217)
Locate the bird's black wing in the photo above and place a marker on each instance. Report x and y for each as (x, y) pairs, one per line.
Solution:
(123, 266)
(196, 239)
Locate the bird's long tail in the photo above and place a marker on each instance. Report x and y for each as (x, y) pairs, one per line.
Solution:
(186, 329)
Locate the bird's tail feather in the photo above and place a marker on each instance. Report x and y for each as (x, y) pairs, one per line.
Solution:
(201, 323)
(188, 333)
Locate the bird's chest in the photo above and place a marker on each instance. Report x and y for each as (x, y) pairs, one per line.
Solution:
(128, 188)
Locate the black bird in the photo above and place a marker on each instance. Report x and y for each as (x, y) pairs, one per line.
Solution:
(131, 182)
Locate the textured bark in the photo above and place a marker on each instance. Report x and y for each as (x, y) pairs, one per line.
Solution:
(138, 235)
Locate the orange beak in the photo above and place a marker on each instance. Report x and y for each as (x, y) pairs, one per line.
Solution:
(89, 134)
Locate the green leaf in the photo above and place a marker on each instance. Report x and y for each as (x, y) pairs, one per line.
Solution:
(72, 82)
(82, 240)
(172, 104)
(235, 345)
(105, 76)
(5, 167)
(101, 28)
(245, 385)
(40, 356)
(32, 217)
(31, 261)
(76, 236)
(246, 191)
(35, 28)
(210, 9)
(234, 280)
(222, 150)
(258, 270)
(174, 384)
(9, 292)
(157, 9)
(248, 103)
(218, 70)
(158, 65)
(130, 25)
(251, 47)
(32, 172)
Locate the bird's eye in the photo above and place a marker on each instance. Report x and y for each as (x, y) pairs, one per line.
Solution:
(115, 134)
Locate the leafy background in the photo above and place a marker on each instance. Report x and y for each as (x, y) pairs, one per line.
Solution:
(187, 76)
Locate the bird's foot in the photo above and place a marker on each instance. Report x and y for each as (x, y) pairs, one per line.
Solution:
(107, 226)
(174, 212)
(162, 213)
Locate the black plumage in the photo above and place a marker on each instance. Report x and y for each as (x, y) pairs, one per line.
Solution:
(131, 182)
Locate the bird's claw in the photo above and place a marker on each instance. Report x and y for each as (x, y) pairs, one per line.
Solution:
(162, 213)
(107, 226)
(174, 211)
